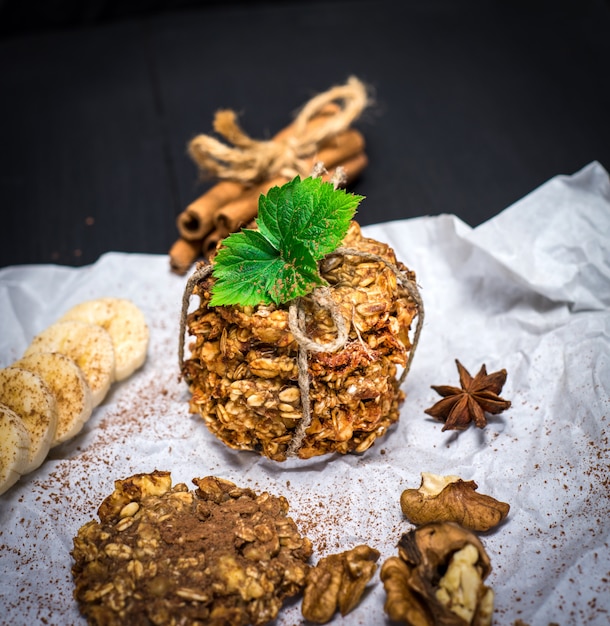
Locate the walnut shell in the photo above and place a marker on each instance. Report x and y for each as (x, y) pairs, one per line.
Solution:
(338, 582)
(437, 579)
(451, 499)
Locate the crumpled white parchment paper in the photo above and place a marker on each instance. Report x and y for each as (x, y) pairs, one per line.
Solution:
(528, 291)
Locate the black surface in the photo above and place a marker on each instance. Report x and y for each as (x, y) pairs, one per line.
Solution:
(476, 104)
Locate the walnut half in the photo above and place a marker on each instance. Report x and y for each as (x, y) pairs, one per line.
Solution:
(451, 499)
(338, 582)
(437, 579)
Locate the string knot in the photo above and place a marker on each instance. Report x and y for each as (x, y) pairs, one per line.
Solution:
(248, 160)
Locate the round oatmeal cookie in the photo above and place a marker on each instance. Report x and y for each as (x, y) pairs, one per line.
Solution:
(243, 369)
(217, 555)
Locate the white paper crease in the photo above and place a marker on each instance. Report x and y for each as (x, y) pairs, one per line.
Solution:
(528, 291)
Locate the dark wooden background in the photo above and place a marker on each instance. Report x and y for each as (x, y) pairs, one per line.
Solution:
(476, 104)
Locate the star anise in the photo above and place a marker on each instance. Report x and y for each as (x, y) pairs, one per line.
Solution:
(477, 396)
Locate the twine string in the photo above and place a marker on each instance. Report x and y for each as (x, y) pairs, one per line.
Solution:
(322, 296)
(248, 160)
(201, 273)
(296, 322)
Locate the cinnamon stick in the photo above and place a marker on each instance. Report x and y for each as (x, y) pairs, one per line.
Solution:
(183, 254)
(354, 166)
(235, 215)
(342, 149)
(319, 134)
(241, 213)
(210, 243)
(196, 221)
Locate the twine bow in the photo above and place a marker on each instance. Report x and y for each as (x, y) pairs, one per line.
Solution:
(249, 160)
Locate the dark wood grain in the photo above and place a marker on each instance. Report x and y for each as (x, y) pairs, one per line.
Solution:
(476, 104)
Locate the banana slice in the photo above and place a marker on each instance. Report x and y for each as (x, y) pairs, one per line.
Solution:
(89, 345)
(14, 447)
(69, 386)
(127, 326)
(28, 395)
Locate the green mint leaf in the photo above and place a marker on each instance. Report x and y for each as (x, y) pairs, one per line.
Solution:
(310, 211)
(241, 269)
(297, 277)
(299, 223)
(249, 270)
(269, 208)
